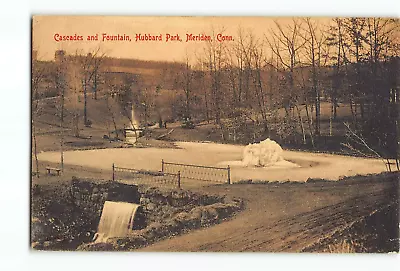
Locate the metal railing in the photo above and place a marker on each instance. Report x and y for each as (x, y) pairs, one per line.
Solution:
(140, 176)
(198, 172)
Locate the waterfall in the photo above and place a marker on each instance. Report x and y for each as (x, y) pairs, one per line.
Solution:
(132, 133)
(116, 220)
(134, 123)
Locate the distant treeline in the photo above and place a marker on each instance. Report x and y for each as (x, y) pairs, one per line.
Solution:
(144, 64)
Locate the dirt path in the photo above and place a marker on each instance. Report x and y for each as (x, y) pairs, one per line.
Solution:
(312, 165)
(285, 218)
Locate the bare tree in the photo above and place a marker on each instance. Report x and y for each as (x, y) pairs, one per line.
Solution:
(285, 43)
(255, 60)
(111, 112)
(74, 85)
(90, 65)
(359, 145)
(380, 40)
(215, 59)
(61, 85)
(335, 39)
(184, 80)
(38, 73)
(307, 103)
(354, 28)
(202, 83)
(315, 56)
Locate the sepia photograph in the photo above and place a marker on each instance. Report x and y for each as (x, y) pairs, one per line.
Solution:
(215, 134)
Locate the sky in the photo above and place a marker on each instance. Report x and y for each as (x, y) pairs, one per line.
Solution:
(44, 29)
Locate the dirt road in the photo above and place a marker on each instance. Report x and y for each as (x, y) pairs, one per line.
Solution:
(285, 217)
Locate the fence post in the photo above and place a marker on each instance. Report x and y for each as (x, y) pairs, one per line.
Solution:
(162, 165)
(113, 172)
(229, 174)
(179, 179)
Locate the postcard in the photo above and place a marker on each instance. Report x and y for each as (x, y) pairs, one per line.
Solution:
(215, 134)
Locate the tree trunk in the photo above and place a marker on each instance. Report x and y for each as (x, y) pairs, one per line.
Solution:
(95, 84)
(330, 120)
(35, 148)
(301, 126)
(187, 103)
(112, 117)
(145, 115)
(85, 120)
(397, 128)
(76, 125)
(317, 113)
(335, 105)
(62, 130)
(309, 120)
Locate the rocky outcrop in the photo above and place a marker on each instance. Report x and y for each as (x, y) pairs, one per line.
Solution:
(66, 217)
(197, 217)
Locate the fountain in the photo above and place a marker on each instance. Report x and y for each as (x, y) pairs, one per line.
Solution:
(133, 132)
(263, 154)
(266, 154)
(117, 220)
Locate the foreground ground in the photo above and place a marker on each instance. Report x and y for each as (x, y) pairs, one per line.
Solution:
(285, 217)
(289, 217)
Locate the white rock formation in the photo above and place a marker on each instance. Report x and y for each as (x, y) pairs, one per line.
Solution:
(265, 153)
